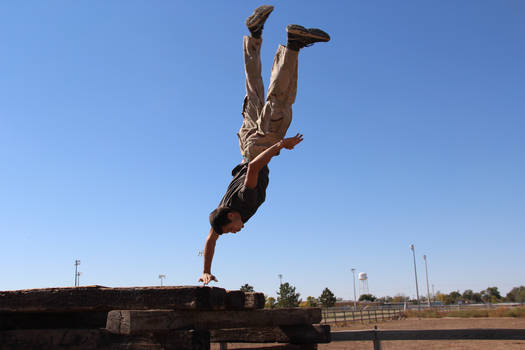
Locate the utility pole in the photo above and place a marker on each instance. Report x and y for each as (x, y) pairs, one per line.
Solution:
(161, 277)
(280, 280)
(77, 262)
(426, 270)
(415, 273)
(355, 299)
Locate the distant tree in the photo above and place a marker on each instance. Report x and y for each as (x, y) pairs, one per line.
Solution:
(311, 302)
(476, 298)
(493, 294)
(448, 299)
(327, 298)
(247, 288)
(399, 298)
(270, 302)
(468, 295)
(455, 296)
(287, 297)
(516, 295)
(367, 297)
(484, 296)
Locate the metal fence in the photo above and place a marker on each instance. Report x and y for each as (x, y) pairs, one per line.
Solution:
(374, 313)
(334, 315)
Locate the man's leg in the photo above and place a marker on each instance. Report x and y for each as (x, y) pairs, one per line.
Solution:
(276, 114)
(254, 100)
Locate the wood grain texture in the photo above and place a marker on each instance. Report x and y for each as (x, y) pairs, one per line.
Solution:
(137, 321)
(50, 320)
(277, 347)
(254, 300)
(90, 339)
(306, 334)
(98, 298)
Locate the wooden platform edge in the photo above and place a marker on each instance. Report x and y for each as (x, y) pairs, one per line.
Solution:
(305, 334)
(138, 321)
(89, 339)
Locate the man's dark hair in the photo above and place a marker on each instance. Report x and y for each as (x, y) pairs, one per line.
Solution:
(219, 218)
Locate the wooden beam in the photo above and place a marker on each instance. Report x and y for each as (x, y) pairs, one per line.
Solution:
(138, 321)
(89, 339)
(50, 320)
(306, 334)
(98, 298)
(237, 300)
(254, 300)
(432, 334)
(275, 347)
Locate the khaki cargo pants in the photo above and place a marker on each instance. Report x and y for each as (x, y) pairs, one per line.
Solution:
(266, 122)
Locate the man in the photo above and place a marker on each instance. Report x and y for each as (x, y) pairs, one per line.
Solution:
(261, 136)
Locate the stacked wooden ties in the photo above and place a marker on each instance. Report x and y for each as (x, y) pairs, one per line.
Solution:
(182, 318)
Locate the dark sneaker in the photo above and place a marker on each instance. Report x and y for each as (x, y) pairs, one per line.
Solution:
(255, 22)
(299, 36)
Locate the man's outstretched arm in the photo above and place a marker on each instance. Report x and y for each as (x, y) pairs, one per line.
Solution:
(209, 250)
(264, 158)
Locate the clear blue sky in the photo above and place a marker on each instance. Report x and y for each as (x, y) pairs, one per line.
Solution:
(117, 138)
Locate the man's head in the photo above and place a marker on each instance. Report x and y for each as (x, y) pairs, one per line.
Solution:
(224, 220)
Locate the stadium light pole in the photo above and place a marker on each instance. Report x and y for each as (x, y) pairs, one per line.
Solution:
(77, 262)
(161, 277)
(415, 273)
(355, 300)
(426, 270)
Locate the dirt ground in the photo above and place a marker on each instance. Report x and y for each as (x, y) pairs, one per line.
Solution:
(424, 323)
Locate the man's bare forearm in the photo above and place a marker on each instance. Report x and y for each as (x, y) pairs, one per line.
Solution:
(209, 250)
(264, 158)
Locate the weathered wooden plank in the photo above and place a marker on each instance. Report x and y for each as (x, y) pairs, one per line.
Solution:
(98, 298)
(275, 347)
(90, 339)
(137, 321)
(235, 299)
(254, 300)
(432, 334)
(305, 334)
(50, 320)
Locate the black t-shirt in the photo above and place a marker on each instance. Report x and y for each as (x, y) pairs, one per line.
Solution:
(242, 199)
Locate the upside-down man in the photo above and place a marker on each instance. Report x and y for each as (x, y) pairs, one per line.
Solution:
(262, 134)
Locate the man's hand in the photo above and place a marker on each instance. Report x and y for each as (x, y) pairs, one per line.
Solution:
(207, 278)
(291, 142)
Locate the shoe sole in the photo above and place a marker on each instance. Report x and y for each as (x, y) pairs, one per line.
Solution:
(309, 33)
(259, 15)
